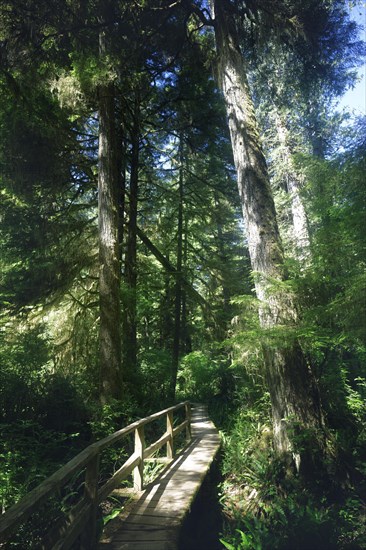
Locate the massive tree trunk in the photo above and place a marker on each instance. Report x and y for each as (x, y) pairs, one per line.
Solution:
(293, 391)
(109, 277)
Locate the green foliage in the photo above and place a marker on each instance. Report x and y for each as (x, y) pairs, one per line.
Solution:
(299, 520)
(29, 454)
(155, 367)
(115, 507)
(112, 416)
(49, 376)
(200, 376)
(42, 418)
(247, 541)
(24, 358)
(266, 509)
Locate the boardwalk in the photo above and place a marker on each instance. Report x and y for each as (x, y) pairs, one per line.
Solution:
(153, 522)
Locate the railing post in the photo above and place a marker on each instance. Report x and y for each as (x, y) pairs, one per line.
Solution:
(169, 429)
(89, 535)
(138, 472)
(189, 418)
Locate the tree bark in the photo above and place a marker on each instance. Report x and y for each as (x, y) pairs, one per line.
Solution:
(186, 341)
(109, 276)
(178, 281)
(293, 391)
(225, 316)
(121, 168)
(300, 229)
(166, 316)
(130, 304)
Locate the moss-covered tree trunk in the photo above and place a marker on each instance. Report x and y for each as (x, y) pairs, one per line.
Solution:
(296, 408)
(109, 276)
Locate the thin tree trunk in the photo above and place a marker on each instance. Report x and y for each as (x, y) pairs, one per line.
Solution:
(130, 314)
(178, 281)
(294, 396)
(185, 332)
(121, 167)
(166, 318)
(315, 133)
(109, 277)
(225, 316)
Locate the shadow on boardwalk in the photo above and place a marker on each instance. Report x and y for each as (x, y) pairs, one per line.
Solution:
(153, 522)
(203, 525)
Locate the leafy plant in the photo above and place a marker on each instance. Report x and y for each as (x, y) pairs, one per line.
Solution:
(247, 541)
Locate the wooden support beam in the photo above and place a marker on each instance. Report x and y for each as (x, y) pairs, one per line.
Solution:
(187, 407)
(138, 472)
(89, 536)
(170, 430)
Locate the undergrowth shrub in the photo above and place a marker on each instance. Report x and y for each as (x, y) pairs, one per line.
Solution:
(154, 383)
(266, 509)
(201, 377)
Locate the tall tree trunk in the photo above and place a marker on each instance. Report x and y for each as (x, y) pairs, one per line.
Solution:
(166, 318)
(185, 332)
(293, 391)
(300, 229)
(178, 281)
(130, 314)
(314, 127)
(109, 276)
(225, 316)
(121, 167)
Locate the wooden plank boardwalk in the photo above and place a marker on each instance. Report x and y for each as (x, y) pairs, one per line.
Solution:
(153, 521)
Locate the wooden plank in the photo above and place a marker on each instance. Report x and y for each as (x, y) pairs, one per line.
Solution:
(160, 545)
(145, 521)
(89, 535)
(170, 430)
(148, 535)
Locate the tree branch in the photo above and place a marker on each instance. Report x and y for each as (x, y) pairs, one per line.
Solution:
(171, 269)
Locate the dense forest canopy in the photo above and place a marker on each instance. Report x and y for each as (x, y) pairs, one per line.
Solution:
(182, 216)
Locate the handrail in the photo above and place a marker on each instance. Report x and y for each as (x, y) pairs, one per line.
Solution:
(85, 512)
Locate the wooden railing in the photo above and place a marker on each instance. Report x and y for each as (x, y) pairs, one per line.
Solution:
(84, 513)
